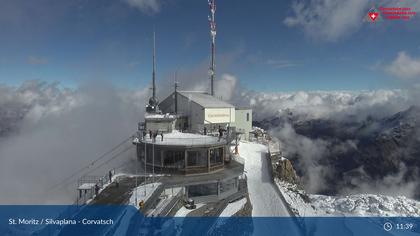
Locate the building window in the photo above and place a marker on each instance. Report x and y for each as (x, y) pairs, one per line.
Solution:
(202, 190)
(174, 159)
(197, 158)
(247, 117)
(156, 155)
(216, 156)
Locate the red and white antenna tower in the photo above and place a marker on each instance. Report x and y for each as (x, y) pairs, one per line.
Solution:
(212, 21)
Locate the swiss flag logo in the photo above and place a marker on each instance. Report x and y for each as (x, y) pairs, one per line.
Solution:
(373, 15)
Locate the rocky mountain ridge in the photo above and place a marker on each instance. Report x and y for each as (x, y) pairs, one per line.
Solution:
(357, 152)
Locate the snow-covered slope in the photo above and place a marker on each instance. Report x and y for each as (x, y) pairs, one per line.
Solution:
(367, 205)
(353, 205)
(142, 193)
(233, 207)
(263, 193)
(264, 198)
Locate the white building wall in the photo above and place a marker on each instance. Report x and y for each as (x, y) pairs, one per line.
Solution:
(199, 116)
(194, 112)
(242, 123)
(219, 115)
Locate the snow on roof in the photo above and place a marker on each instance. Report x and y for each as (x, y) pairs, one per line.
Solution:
(86, 186)
(184, 139)
(159, 116)
(205, 100)
(243, 108)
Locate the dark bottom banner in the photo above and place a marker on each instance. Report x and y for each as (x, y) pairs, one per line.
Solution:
(127, 220)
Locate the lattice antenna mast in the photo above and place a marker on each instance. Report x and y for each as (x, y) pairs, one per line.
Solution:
(154, 67)
(152, 107)
(212, 21)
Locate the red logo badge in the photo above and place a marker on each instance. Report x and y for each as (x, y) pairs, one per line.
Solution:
(373, 15)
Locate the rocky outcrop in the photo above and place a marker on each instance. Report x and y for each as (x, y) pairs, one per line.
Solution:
(283, 170)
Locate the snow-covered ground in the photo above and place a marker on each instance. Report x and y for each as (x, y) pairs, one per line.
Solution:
(294, 198)
(182, 212)
(165, 198)
(233, 207)
(229, 211)
(367, 205)
(353, 205)
(263, 193)
(179, 138)
(143, 193)
(264, 197)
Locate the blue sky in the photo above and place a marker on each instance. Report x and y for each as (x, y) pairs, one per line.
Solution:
(268, 45)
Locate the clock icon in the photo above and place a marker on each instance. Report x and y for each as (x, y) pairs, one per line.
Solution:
(387, 226)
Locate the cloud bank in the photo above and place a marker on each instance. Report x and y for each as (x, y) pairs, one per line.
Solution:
(47, 132)
(56, 132)
(404, 66)
(327, 20)
(315, 129)
(326, 104)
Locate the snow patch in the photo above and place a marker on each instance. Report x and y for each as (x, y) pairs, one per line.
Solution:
(233, 207)
(367, 205)
(182, 212)
(353, 205)
(144, 192)
(262, 192)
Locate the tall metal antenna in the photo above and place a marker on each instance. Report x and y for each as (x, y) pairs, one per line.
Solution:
(154, 66)
(153, 105)
(176, 92)
(212, 21)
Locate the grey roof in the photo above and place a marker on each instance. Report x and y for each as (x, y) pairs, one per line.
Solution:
(243, 108)
(205, 100)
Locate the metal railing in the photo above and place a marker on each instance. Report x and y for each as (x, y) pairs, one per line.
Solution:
(99, 181)
(184, 141)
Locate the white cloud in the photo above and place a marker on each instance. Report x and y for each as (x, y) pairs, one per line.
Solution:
(310, 151)
(327, 19)
(225, 87)
(331, 20)
(392, 184)
(285, 110)
(56, 132)
(404, 66)
(325, 104)
(145, 6)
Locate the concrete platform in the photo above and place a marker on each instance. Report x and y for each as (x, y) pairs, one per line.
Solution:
(231, 170)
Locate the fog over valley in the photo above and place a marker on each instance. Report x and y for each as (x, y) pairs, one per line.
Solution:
(339, 141)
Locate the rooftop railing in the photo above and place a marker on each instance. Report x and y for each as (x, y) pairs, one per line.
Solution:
(184, 139)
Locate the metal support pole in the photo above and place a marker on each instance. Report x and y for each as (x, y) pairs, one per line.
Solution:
(145, 167)
(153, 165)
(137, 166)
(212, 21)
